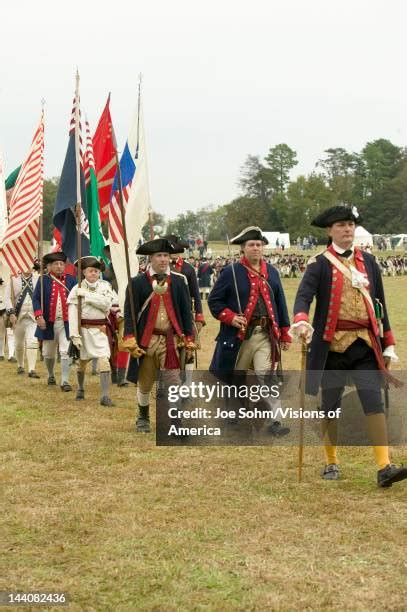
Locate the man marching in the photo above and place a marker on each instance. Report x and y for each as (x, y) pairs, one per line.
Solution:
(164, 323)
(178, 264)
(19, 306)
(52, 317)
(350, 334)
(92, 339)
(249, 302)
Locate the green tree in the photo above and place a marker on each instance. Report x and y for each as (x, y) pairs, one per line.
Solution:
(49, 196)
(280, 160)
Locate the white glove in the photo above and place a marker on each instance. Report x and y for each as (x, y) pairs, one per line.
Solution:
(82, 292)
(390, 353)
(301, 330)
(77, 341)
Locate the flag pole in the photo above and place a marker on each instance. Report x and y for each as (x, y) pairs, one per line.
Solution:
(150, 212)
(78, 209)
(125, 241)
(41, 239)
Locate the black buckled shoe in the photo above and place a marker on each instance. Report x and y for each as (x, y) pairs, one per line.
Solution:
(106, 401)
(51, 381)
(80, 394)
(33, 374)
(277, 430)
(391, 474)
(331, 472)
(143, 425)
(20, 370)
(66, 387)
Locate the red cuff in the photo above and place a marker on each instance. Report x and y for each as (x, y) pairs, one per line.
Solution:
(227, 316)
(388, 338)
(129, 337)
(301, 316)
(199, 318)
(284, 336)
(38, 313)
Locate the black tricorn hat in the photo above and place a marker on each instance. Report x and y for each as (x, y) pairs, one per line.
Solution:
(90, 262)
(158, 245)
(249, 233)
(36, 265)
(177, 242)
(337, 213)
(51, 257)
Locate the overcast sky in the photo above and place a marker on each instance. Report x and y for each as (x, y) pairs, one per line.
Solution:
(221, 80)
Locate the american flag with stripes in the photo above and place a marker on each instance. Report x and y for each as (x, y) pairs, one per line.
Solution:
(20, 241)
(127, 170)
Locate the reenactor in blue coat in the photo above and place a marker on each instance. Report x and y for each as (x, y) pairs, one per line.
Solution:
(248, 300)
(52, 316)
(350, 333)
(162, 308)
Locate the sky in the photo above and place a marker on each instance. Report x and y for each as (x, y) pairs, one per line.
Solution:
(221, 80)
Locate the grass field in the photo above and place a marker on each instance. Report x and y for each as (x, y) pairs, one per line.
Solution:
(90, 508)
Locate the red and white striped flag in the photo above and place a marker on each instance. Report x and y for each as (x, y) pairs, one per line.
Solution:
(20, 240)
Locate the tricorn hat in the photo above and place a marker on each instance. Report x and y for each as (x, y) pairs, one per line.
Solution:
(90, 262)
(158, 245)
(249, 233)
(337, 213)
(51, 257)
(179, 244)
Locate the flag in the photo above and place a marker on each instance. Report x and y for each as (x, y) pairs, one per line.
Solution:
(97, 240)
(20, 240)
(67, 196)
(3, 201)
(136, 202)
(105, 160)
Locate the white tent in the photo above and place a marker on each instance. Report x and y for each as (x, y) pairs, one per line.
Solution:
(363, 237)
(272, 237)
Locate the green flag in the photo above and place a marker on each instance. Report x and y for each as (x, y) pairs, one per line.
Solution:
(97, 240)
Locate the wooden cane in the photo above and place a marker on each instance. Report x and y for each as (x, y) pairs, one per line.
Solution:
(302, 407)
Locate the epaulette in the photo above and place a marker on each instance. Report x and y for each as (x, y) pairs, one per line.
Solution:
(313, 259)
(182, 276)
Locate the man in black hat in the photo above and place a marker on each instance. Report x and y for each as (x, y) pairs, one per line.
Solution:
(19, 306)
(92, 339)
(51, 314)
(205, 273)
(178, 264)
(249, 302)
(163, 323)
(350, 332)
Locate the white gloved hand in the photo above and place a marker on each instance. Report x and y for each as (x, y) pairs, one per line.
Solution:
(77, 341)
(301, 330)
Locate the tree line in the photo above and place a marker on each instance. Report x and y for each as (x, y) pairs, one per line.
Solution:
(374, 180)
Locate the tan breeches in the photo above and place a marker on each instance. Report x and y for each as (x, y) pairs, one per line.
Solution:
(103, 364)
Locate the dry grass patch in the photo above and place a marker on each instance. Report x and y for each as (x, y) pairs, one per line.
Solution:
(90, 508)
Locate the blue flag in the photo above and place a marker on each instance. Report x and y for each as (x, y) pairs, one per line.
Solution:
(64, 213)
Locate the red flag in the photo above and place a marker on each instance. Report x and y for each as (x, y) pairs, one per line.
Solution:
(105, 161)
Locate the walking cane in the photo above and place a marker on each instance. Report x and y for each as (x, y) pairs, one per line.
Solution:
(302, 406)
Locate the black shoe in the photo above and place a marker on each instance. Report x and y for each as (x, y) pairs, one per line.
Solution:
(277, 430)
(121, 377)
(66, 387)
(1, 357)
(390, 474)
(33, 374)
(20, 370)
(330, 472)
(80, 394)
(12, 360)
(143, 425)
(106, 401)
(51, 380)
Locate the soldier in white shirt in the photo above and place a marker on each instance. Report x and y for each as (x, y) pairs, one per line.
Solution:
(19, 307)
(92, 337)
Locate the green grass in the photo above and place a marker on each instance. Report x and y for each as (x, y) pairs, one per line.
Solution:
(91, 508)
